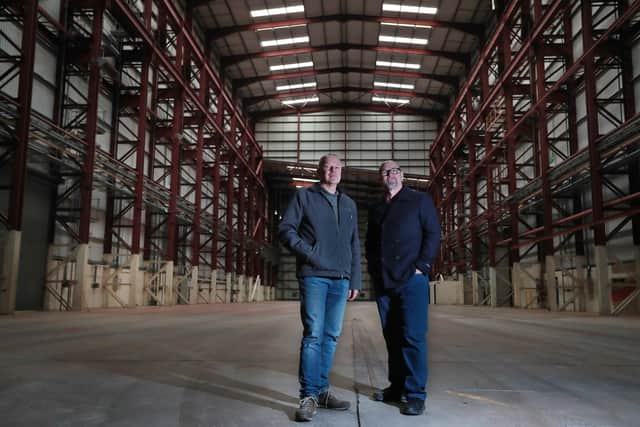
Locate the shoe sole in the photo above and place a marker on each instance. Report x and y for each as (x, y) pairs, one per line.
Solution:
(303, 419)
(412, 413)
(399, 400)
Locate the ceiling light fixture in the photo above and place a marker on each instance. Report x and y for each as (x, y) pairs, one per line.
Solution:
(397, 24)
(300, 100)
(390, 100)
(408, 40)
(305, 180)
(394, 85)
(280, 27)
(277, 11)
(397, 65)
(403, 8)
(290, 66)
(282, 42)
(296, 86)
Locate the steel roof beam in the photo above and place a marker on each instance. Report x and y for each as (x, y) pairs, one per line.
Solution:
(229, 60)
(437, 115)
(474, 30)
(443, 100)
(440, 78)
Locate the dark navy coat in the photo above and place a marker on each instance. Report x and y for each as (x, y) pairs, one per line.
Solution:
(402, 235)
(323, 246)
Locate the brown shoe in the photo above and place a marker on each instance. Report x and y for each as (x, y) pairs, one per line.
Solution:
(308, 408)
(389, 395)
(329, 401)
(413, 406)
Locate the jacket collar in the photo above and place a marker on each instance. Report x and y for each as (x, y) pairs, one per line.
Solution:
(403, 194)
(317, 189)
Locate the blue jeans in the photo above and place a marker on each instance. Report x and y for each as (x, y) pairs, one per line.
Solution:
(322, 304)
(403, 314)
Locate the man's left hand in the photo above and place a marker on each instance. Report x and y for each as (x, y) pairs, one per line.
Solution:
(353, 294)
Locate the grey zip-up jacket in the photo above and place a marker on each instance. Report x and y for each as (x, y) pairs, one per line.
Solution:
(323, 246)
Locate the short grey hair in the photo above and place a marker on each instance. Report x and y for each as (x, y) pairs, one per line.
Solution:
(323, 160)
(388, 161)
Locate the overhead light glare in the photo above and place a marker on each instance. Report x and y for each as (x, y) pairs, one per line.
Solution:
(398, 65)
(390, 100)
(282, 42)
(403, 8)
(296, 86)
(277, 11)
(397, 24)
(394, 85)
(291, 66)
(305, 180)
(280, 27)
(408, 40)
(300, 100)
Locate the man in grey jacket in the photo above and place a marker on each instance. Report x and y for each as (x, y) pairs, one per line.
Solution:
(320, 227)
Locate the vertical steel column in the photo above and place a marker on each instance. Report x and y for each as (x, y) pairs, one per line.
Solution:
(346, 136)
(572, 123)
(507, 89)
(141, 138)
(298, 140)
(228, 259)
(543, 142)
(25, 89)
(460, 219)
(492, 235)
(10, 261)
(473, 208)
(629, 112)
(195, 238)
(86, 183)
(393, 138)
(240, 226)
(600, 238)
(176, 141)
(216, 201)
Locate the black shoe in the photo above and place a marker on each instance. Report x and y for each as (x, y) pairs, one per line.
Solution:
(389, 395)
(307, 409)
(414, 406)
(329, 401)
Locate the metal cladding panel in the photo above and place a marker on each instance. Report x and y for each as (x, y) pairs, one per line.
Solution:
(221, 13)
(331, 7)
(335, 58)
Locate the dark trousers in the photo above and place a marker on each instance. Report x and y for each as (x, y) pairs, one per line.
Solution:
(404, 316)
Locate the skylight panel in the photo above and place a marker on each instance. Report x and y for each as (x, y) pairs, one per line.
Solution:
(404, 8)
(277, 11)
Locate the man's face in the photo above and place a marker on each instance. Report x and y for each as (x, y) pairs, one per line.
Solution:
(331, 172)
(391, 176)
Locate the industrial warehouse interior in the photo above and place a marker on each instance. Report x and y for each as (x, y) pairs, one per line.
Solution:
(149, 150)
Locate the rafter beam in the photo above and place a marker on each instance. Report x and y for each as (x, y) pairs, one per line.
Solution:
(440, 78)
(262, 115)
(474, 30)
(229, 60)
(433, 98)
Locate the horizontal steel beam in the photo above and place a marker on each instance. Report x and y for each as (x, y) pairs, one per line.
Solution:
(440, 78)
(229, 60)
(474, 30)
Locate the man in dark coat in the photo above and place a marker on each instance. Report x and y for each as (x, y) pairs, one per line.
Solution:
(320, 227)
(403, 238)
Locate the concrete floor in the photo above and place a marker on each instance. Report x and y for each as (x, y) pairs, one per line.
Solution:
(236, 365)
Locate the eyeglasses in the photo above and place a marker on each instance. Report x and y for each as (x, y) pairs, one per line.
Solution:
(392, 171)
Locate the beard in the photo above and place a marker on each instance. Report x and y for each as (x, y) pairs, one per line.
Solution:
(392, 184)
